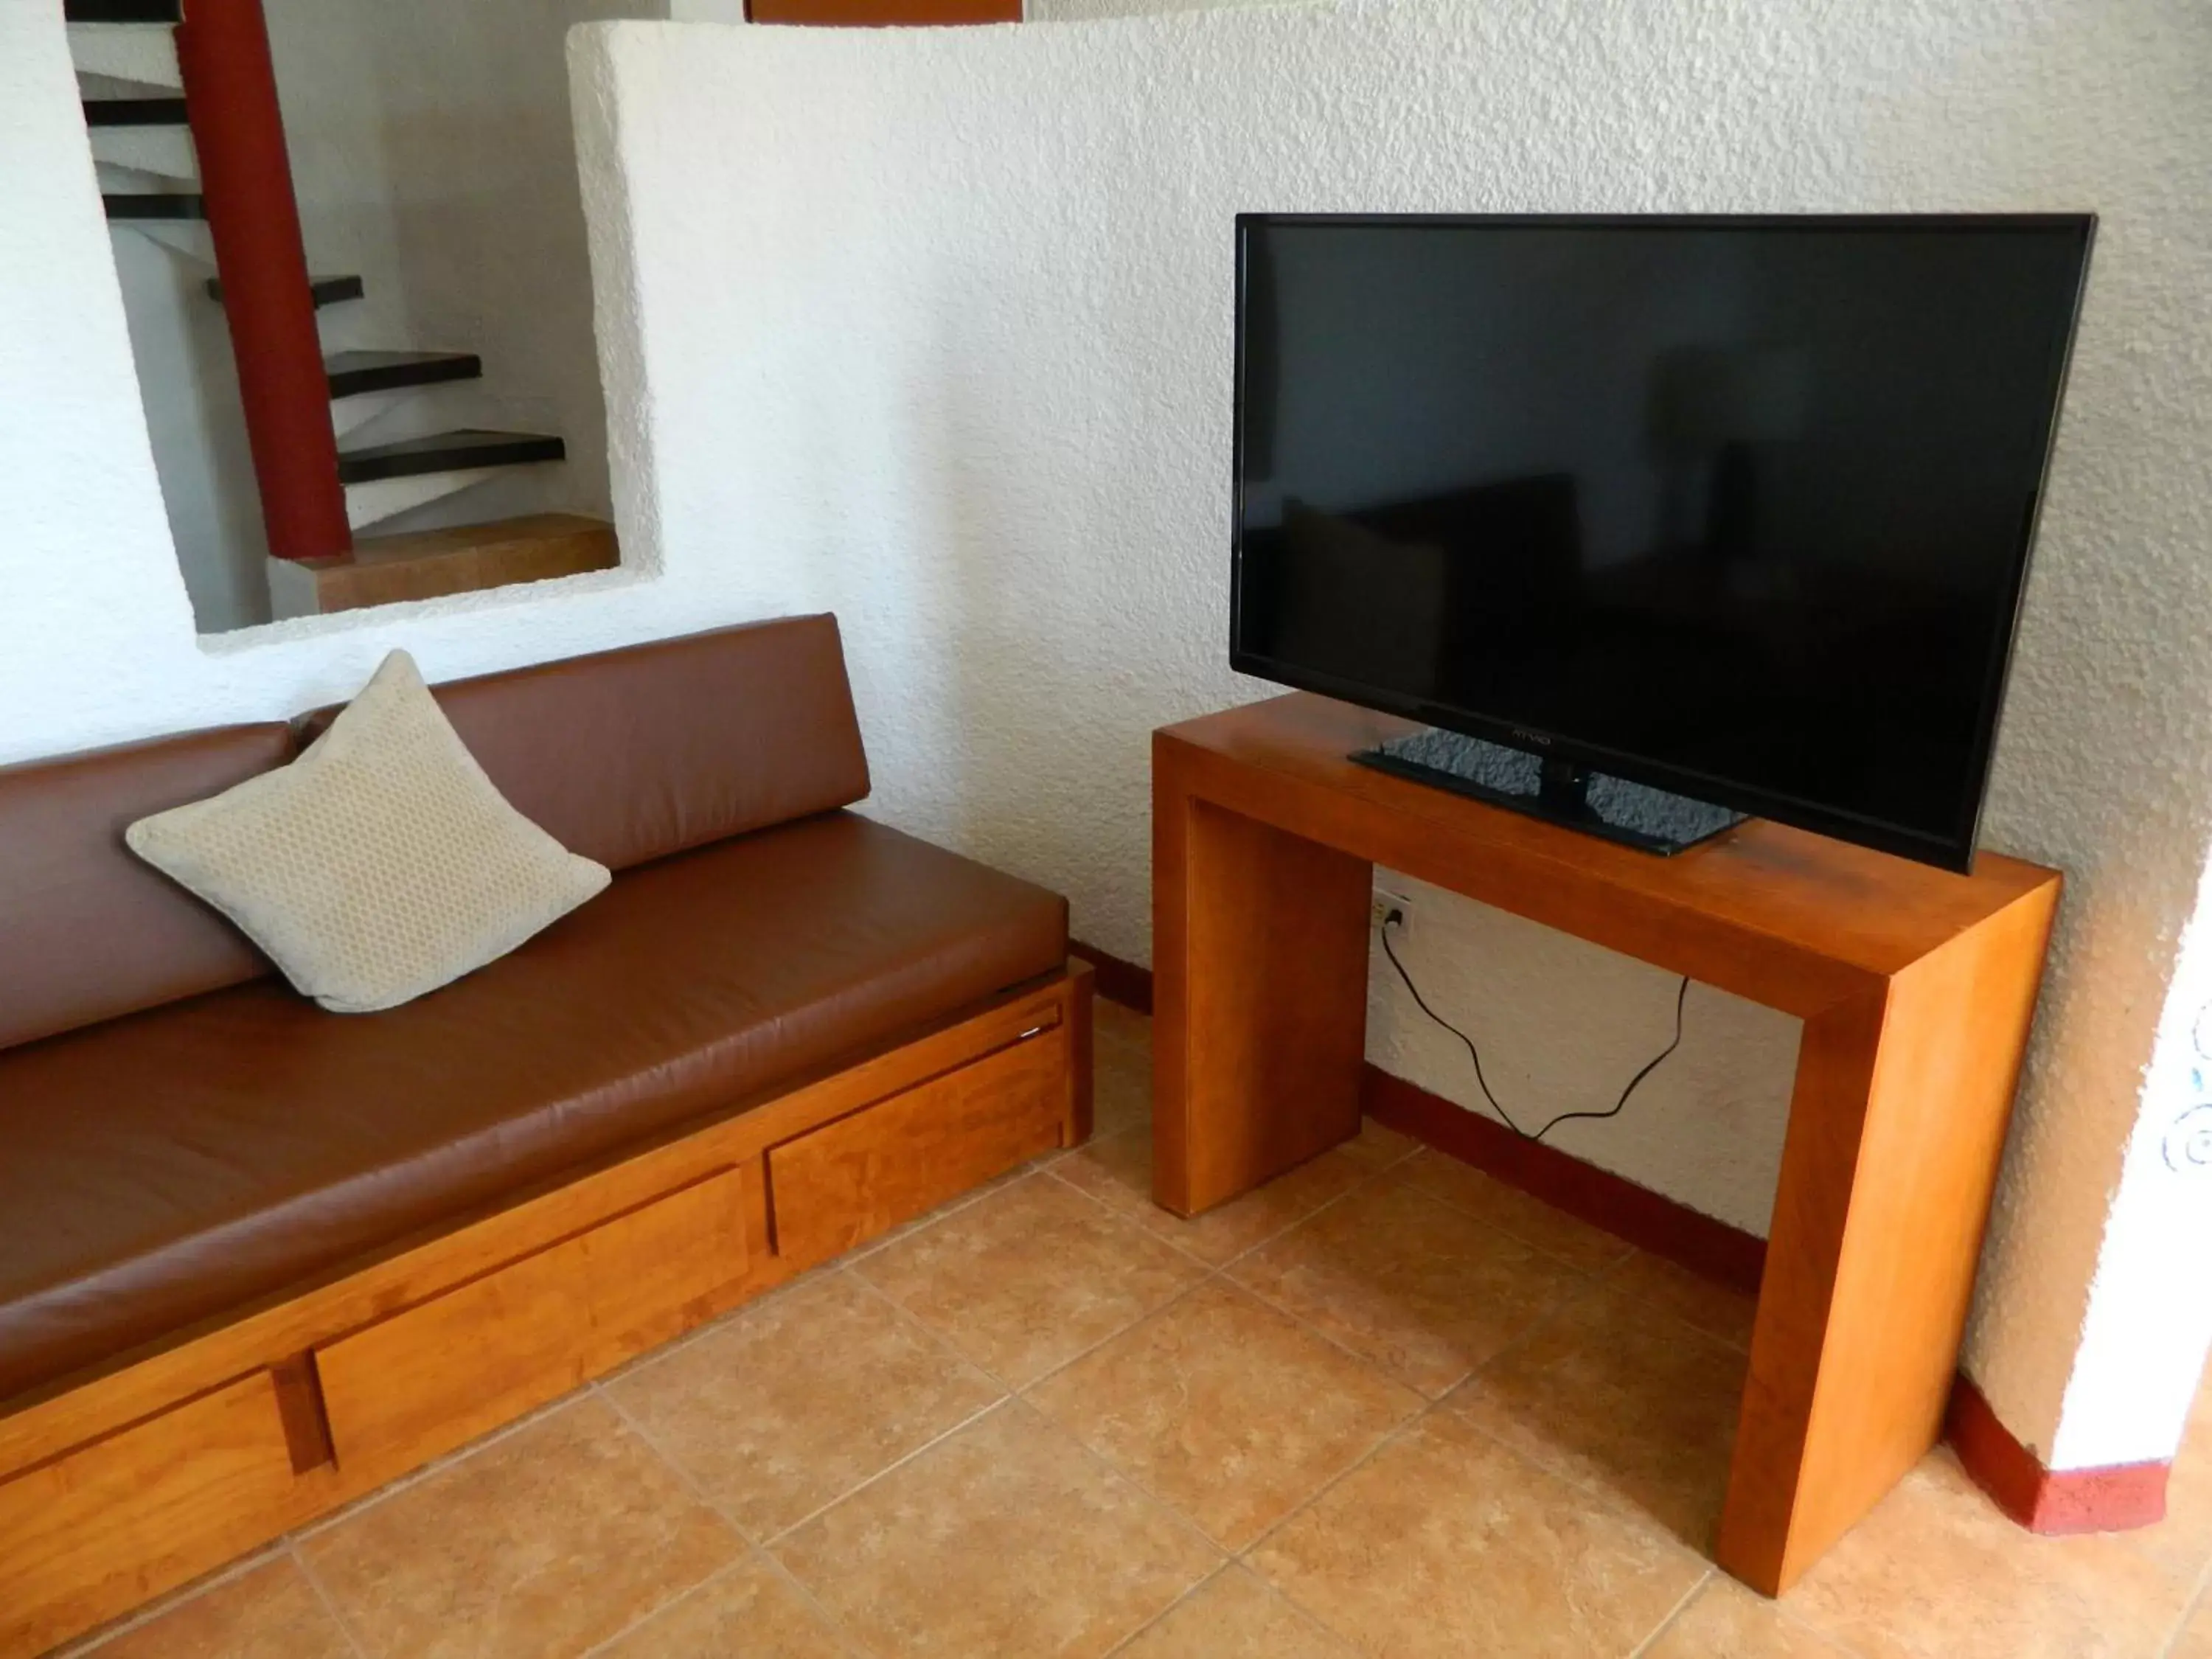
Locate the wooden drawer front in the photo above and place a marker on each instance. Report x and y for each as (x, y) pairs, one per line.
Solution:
(863, 1175)
(99, 1530)
(442, 1372)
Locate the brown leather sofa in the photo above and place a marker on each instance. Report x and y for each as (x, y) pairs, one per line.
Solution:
(365, 1238)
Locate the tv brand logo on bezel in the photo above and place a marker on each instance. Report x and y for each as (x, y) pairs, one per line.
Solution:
(1536, 737)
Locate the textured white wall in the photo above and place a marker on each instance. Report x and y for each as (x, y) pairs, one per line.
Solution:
(934, 327)
(1564, 1024)
(2148, 1321)
(181, 347)
(1073, 11)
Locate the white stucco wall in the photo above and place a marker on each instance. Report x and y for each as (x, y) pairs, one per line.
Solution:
(932, 329)
(189, 384)
(1564, 1024)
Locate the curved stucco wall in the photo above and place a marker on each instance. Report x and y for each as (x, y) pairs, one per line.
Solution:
(935, 328)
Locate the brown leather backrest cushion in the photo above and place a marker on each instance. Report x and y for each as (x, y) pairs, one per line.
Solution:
(87, 931)
(630, 755)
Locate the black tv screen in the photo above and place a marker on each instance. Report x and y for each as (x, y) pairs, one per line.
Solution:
(1737, 508)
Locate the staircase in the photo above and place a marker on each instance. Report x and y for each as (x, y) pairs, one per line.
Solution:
(139, 113)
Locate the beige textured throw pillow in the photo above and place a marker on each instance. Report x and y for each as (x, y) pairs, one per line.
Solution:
(381, 864)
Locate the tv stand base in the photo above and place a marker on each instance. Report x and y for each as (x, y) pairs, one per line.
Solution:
(1556, 790)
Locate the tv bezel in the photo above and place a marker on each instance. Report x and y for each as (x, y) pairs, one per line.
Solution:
(1955, 852)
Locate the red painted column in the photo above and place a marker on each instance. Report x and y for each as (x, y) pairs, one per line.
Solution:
(246, 177)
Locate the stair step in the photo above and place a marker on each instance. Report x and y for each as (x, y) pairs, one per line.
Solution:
(135, 113)
(143, 161)
(353, 373)
(142, 56)
(326, 290)
(156, 206)
(122, 11)
(428, 563)
(463, 451)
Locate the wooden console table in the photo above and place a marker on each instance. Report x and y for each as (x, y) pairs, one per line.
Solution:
(1916, 987)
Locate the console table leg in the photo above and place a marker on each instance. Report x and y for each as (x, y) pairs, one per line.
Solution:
(1897, 1128)
(1260, 999)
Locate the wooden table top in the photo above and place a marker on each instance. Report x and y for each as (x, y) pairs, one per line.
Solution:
(1757, 900)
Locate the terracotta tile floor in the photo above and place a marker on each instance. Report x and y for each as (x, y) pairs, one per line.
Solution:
(1386, 1406)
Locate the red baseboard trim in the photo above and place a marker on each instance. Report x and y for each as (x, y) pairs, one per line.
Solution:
(2051, 1501)
(1118, 980)
(1643, 1218)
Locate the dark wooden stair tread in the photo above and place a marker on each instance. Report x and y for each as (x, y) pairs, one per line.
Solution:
(135, 113)
(326, 290)
(352, 373)
(154, 204)
(122, 11)
(446, 452)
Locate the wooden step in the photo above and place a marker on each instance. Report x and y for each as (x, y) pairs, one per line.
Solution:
(154, 204)
(122, 11)
(466, 451)
(427, 564)
(326, 290)
(353, 373)
(134, 57)
(135, 113)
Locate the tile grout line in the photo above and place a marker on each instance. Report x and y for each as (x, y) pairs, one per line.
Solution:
(438, 1465)
(1227, 1555)
(837, 1627)
(783, 1534)
(1222, 1274)
(937, 1337)
(323, 1594)
(1010, 1395)
(1397, 1432)
(819, 1272)
(1596, 1275)
(1016, 1390)
(1672, 1616)
(743, 1557)
(91, 1642)
(1586, 1283)
(1122, 1646)
(751, 1550)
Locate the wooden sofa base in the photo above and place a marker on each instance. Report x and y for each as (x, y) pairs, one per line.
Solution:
(118, 1486)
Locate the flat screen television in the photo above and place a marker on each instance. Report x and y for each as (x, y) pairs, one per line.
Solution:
(1738, 509)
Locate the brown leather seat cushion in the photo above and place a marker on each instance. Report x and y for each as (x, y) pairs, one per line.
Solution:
(165, 1167)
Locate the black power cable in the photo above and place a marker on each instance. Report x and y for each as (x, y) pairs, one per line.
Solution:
(1681, 994)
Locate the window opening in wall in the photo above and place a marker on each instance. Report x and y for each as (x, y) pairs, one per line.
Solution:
(352, 255)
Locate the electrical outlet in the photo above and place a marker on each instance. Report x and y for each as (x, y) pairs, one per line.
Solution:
(1386, 905)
